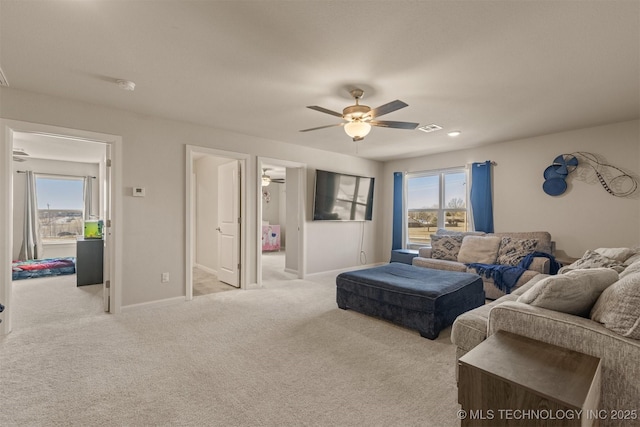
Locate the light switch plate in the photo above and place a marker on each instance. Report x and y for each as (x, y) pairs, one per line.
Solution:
(138, 191)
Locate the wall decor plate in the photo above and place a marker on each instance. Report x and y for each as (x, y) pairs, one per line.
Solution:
(565, 163)
(552, 172)
(554, 186)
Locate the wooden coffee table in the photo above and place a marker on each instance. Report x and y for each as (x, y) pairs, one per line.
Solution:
(511, 380)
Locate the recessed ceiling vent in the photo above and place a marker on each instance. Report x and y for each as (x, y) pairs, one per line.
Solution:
(430, 128)
(3, 79)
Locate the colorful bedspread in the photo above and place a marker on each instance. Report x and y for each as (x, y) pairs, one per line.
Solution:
(43, 268)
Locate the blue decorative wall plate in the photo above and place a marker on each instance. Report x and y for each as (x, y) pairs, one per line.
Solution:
(551, 172)
(554, 186)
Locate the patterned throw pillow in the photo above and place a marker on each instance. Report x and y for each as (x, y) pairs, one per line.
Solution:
(618, 308)
(513, 250)
(592, 259)
(445, 247)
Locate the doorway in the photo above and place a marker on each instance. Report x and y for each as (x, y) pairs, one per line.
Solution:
(281, 220)
(215, 221)
(69, 145)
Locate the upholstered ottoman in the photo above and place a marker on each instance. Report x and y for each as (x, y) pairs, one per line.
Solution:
(419, 298)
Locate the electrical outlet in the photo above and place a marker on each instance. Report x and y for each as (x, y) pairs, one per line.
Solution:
(164, 278)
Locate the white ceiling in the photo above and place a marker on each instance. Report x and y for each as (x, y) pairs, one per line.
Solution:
(496, 70)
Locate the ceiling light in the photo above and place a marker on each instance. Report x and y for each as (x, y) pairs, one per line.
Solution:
(454, 133)
(357, 129)
(126, 84)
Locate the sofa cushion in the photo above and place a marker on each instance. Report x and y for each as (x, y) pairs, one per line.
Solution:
(618, 308)
(445, 247)
(574, 292)
(439, 264)
(480, 249)
(592, 259)
(470, 328)
(618, 254)
(512, 250)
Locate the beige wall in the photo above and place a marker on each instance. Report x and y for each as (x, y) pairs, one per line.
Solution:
(584, 217)
(154, 158)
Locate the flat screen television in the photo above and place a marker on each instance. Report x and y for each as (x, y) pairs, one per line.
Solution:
(342, 197)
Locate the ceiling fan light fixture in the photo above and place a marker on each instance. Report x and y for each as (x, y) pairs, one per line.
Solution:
(266, 180)
(357, 129)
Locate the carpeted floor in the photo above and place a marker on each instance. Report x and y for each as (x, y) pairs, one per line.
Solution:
(280, 355)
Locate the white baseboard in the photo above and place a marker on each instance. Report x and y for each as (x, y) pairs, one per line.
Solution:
(290, 270)
(342, 270)
(205, 268)
(157, 303)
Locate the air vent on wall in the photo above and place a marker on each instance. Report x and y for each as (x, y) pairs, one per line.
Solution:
(3, 79)
(430, 128)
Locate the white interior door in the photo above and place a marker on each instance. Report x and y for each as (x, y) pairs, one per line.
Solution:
(229, 223)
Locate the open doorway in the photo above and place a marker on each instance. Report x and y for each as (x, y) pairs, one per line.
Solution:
(215, 221)
(281, 210)
(74, 161)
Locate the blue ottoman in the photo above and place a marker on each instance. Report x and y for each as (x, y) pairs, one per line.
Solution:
(416, 297)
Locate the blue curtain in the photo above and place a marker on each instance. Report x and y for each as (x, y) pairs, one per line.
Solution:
(481, 196)
(398, 188)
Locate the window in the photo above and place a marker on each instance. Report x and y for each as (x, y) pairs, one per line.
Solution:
(435, 199)
(60, 207)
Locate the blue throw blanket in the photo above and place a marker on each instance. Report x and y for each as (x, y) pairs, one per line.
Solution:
(505, 277)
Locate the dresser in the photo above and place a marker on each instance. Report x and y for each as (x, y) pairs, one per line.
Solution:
(89, 261)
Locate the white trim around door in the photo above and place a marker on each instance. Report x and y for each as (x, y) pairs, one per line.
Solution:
(192, 152)
(301, 187)
(7, 130)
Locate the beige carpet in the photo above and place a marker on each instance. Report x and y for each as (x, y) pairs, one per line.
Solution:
(281, 355)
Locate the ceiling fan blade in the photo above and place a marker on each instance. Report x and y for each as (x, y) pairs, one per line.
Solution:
(322, 127)
(387, 108)
(394, 125)
(324, 110)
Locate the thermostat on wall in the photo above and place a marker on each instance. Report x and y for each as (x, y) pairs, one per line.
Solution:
(138, 191)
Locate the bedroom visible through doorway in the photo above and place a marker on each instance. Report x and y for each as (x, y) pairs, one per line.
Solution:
(69, 175)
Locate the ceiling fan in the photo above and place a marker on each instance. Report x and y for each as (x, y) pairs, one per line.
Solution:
(360, 118)
(266, 179)
(19, 155)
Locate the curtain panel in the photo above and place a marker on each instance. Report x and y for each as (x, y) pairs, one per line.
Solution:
(481, 196)
(31, 242)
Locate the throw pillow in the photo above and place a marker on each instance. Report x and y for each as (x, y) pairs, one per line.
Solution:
(574, 293)
(619, 254)
(446, 247)
(633, 258)
(592, 259)
(633, 268)
(618, 308)
(513, 250)
(479, 249)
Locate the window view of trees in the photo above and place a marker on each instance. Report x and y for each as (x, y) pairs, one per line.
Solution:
(435, 200)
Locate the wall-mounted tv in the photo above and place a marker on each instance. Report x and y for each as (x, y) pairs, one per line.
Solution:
(342, 197)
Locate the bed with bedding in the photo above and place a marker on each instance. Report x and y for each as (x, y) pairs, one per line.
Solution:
(42, 268)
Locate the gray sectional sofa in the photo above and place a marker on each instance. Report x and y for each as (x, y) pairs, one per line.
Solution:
(486, 247)
(610, 330)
